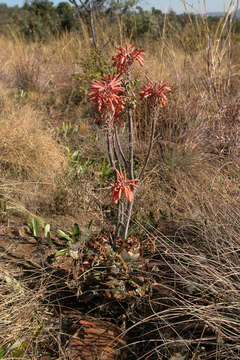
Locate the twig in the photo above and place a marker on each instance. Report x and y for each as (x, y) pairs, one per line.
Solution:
(128, 217)
(109, 147)
(120, 148)
(92, 26)
(130, 124)
(155, 113)
(115, 151)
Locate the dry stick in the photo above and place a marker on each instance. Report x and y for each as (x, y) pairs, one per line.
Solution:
(154, 120)
(109, 147)
(130, 124)
(111, 152)
(128, 217)
(120, 203)
(120, 149)
(130, 170)
(231, 31)
(121, 207)
(119, 220)
(89, 10)
(115, 150)
(92, 26)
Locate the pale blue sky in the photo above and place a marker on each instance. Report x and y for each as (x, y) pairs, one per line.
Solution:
(192, 5)
(164, 5)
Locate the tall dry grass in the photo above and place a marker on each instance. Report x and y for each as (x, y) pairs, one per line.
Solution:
(192, 194)
(31, 159)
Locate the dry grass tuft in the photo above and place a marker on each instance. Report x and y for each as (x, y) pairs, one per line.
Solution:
(31, 160)
(194, 308)
(21, 315)
(27, 73)
(30, 328)
(28, 150)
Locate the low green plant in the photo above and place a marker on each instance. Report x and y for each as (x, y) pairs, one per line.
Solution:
(14, 351)
(34, 228)
(47, 233)
(75, 239)
(77, 163)
(71, 237)
(106, 169)
(68, 129)
(3, 205)
(21, 95)
(18, 348)
(93, 66)
(4, 211)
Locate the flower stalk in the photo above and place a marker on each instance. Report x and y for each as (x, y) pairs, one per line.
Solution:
(114, 97)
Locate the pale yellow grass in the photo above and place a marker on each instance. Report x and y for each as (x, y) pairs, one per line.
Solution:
(31, 159)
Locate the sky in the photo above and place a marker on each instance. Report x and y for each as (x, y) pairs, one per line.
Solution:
(192, 5)
(163, 5)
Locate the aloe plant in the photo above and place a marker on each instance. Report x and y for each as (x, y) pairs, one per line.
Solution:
(74, 238)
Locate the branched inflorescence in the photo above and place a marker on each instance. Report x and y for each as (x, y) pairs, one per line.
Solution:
(126, 57)
(155, 92)
(112, 98)
(122, 185)
(106, 94)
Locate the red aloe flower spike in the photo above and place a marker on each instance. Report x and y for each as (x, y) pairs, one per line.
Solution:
(122, 185)
(154, 92)
(126, 57)
(105, 93)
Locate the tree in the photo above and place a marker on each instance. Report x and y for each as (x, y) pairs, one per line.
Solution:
(87, 8)
(38, 18)
(66, 16)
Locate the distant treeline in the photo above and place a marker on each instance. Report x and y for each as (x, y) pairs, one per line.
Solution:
(39, 18)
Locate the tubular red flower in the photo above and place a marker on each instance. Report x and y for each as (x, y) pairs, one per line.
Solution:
(126, 57)
(155, 92)
(105, 94)
(122, 185)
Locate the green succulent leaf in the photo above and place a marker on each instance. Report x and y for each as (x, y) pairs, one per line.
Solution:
(1, 353)
(61, 252)
(75, 155)
(42, 222)
(3, 205)
(76, 231)
(35, 228)
(47, 231)
(65, 236)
